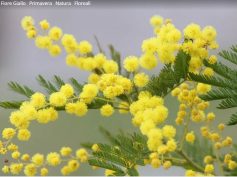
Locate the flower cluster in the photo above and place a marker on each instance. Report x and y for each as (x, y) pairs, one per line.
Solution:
(149, 112)
(192, 108)
(125, 92)
(39, 164)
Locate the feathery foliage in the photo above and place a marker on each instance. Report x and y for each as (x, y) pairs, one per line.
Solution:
(49, 87)
(225, 84)
(125, 150)
(170, 76)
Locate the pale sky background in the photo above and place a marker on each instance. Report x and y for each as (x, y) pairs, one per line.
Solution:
(125, 25)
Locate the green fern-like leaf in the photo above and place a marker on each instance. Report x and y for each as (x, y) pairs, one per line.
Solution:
(77, 86)
(59, 82)
(23, 90)
(225, 84)
(10, 104)
(50, 88)
(169, 77)
(214, 81)
(115, 55)
(230, 55)
(219, 94)
(233, 119)
(107, 165)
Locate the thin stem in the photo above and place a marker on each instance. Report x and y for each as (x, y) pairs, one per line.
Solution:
(193, 164)
(185, 129)
(219, 163)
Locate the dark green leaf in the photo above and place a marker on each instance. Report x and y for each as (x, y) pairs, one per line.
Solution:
(23, 90)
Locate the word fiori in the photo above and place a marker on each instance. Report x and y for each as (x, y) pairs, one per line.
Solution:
(15, 3)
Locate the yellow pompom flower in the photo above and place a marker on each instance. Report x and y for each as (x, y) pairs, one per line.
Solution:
(54, 50)
(16, 168)
(16, 154)
(167, 164)
(67, 90)
(53, 159)
(30, 169)
(155, 163)
(190, 173)
(190, 137)
(208, 159)
(55, 33)
(3, 151)
(80, 109)
(82, 155)
(203, 88)
(131, 63)
(71, 60)
(43, 42)
(10, 147)
(100, 59)
(73, 165)
(95, 147)
(212, 59)
(176, 92)
(90, 89)
(25, 157)
(168, 131)
(208, 72)
(146, 126)
(27, 22)
(148, 61)
(209, 33)
(84, 47)
(149, 46)
(192, 31)
(106, 110)
(209, 168)
(171, 145)
(227, 158)
(156, 20)
(44, 24)
(38, 100)
(5, 169)
(141, 79)
(38, 159)
(93, 78)
(23, 135)
(162, 149)
(8, 133)
(65, 151)
(110, 66)
(211, 116)
(31, 33)
(69, 42)
(57, 99)
(232, 165)
(221, 126)
(44, 171)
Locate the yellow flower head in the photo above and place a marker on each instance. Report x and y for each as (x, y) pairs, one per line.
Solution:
(106, 110)
(44, 24)
(190, 137)
(53, 159)
(55, 33)
(23, 135)
(38, 159)
(84, 47)
(8, 133)
(131, 63)
(141, 79)
(65, 151)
